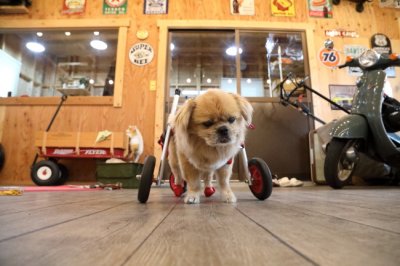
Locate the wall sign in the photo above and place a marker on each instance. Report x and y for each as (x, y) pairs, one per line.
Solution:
(115, 7)
(354, 51)
(389, 3)
(342, 95)
(320, 8)
(329, 57)
(341, 33)
(381, 44)
(242, 7)
(283, 8)
(73, 6)
(141, 54)
(155, 7)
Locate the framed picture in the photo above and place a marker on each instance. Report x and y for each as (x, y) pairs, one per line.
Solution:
(342, 95)
(155, 7)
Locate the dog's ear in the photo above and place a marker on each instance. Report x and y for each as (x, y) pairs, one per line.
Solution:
(245, 108)
(183, 115)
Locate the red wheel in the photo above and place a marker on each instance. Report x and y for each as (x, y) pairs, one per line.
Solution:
(261, 179)
(177, 189)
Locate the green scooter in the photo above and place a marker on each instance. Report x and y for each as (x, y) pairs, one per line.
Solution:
(371, 125)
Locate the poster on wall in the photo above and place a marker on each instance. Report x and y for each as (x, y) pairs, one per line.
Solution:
(242, 7)
(320, 8)
(389, 3)
(354, 51)
(73, 6)
(284, 8)
(155, 7)
(115, 7)
(381, 44)
(342, 95)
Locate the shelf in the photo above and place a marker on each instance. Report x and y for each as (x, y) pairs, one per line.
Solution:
(19, 9)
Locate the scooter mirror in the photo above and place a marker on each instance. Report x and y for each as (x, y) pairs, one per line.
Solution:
(328, 44)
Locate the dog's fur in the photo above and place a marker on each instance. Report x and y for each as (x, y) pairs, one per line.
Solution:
(208, 132)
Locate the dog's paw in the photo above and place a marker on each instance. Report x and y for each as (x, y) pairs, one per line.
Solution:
(192, 198)
(229, 197)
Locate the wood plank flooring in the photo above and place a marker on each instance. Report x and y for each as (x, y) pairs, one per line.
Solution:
(310, 225)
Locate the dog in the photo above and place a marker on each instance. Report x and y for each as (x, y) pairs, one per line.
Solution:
(207, 133)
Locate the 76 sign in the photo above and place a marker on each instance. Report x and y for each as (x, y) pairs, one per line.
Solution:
(329, 57)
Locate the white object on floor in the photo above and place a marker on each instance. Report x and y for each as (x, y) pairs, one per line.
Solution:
(289, 182)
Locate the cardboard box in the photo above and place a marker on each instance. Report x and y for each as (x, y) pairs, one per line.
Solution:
(125, 173)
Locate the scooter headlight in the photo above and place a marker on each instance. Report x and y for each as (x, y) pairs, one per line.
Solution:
(368, 58)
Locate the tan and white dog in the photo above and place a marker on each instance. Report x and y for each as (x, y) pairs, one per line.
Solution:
(208, 132)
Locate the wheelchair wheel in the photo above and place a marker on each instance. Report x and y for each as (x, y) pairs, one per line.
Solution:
(146, 179)
(261, 179)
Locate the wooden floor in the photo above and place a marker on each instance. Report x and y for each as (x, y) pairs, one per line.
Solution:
(296, 226)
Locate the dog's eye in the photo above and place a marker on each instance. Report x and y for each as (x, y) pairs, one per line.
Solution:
(208, 123)
(231, 119)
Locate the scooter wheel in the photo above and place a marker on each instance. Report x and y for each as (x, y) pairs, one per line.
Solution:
(46, 173)
(146, 179)
(338, 168)
(261, 178)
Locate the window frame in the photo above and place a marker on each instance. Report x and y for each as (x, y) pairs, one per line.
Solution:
(75, 24)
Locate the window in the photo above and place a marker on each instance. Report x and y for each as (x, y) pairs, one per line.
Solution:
(247, 62)
(55, 61)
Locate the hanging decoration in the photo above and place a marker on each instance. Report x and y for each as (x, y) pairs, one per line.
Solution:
(73, 6)
(320, 8)
(115, 7)
(284, 8)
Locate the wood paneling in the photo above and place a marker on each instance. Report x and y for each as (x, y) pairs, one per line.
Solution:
(138, 101)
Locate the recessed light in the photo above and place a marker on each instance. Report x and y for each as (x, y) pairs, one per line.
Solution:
(35, 47)
(67, 33)
(98, 45)
(233, 50)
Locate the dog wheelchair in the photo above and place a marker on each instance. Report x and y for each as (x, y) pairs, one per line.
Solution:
(257, 173)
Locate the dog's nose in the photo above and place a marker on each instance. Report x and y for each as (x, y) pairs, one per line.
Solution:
(222, 131)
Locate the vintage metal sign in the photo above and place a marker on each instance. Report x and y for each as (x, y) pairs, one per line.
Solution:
(141, 54)
(115, 7)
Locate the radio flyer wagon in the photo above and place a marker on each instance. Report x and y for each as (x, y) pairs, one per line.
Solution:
(53, 146)
(257, 173)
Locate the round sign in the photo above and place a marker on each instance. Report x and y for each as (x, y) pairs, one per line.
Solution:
(141, 54)
(329, 57)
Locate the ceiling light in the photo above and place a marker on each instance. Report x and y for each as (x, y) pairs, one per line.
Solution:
(96, 33)
(233, 50)
(248, 81)
(39, 34)
(172, 46)
(208, 80)
(110, 81)
(67, 33)
(98, 45)
(91, 81)
(35, 47)
(188, 80)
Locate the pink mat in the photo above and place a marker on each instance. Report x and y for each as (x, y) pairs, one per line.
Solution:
(58, 188)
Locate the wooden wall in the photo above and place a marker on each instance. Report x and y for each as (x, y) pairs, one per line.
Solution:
(19, 122)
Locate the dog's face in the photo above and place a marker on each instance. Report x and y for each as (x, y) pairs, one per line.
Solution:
(217, 117)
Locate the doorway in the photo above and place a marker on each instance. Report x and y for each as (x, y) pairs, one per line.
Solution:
(250, 63)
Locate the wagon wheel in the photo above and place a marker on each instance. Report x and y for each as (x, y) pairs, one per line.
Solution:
(261, 178)
(146, 179)
(64, 174)
(46, 173)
